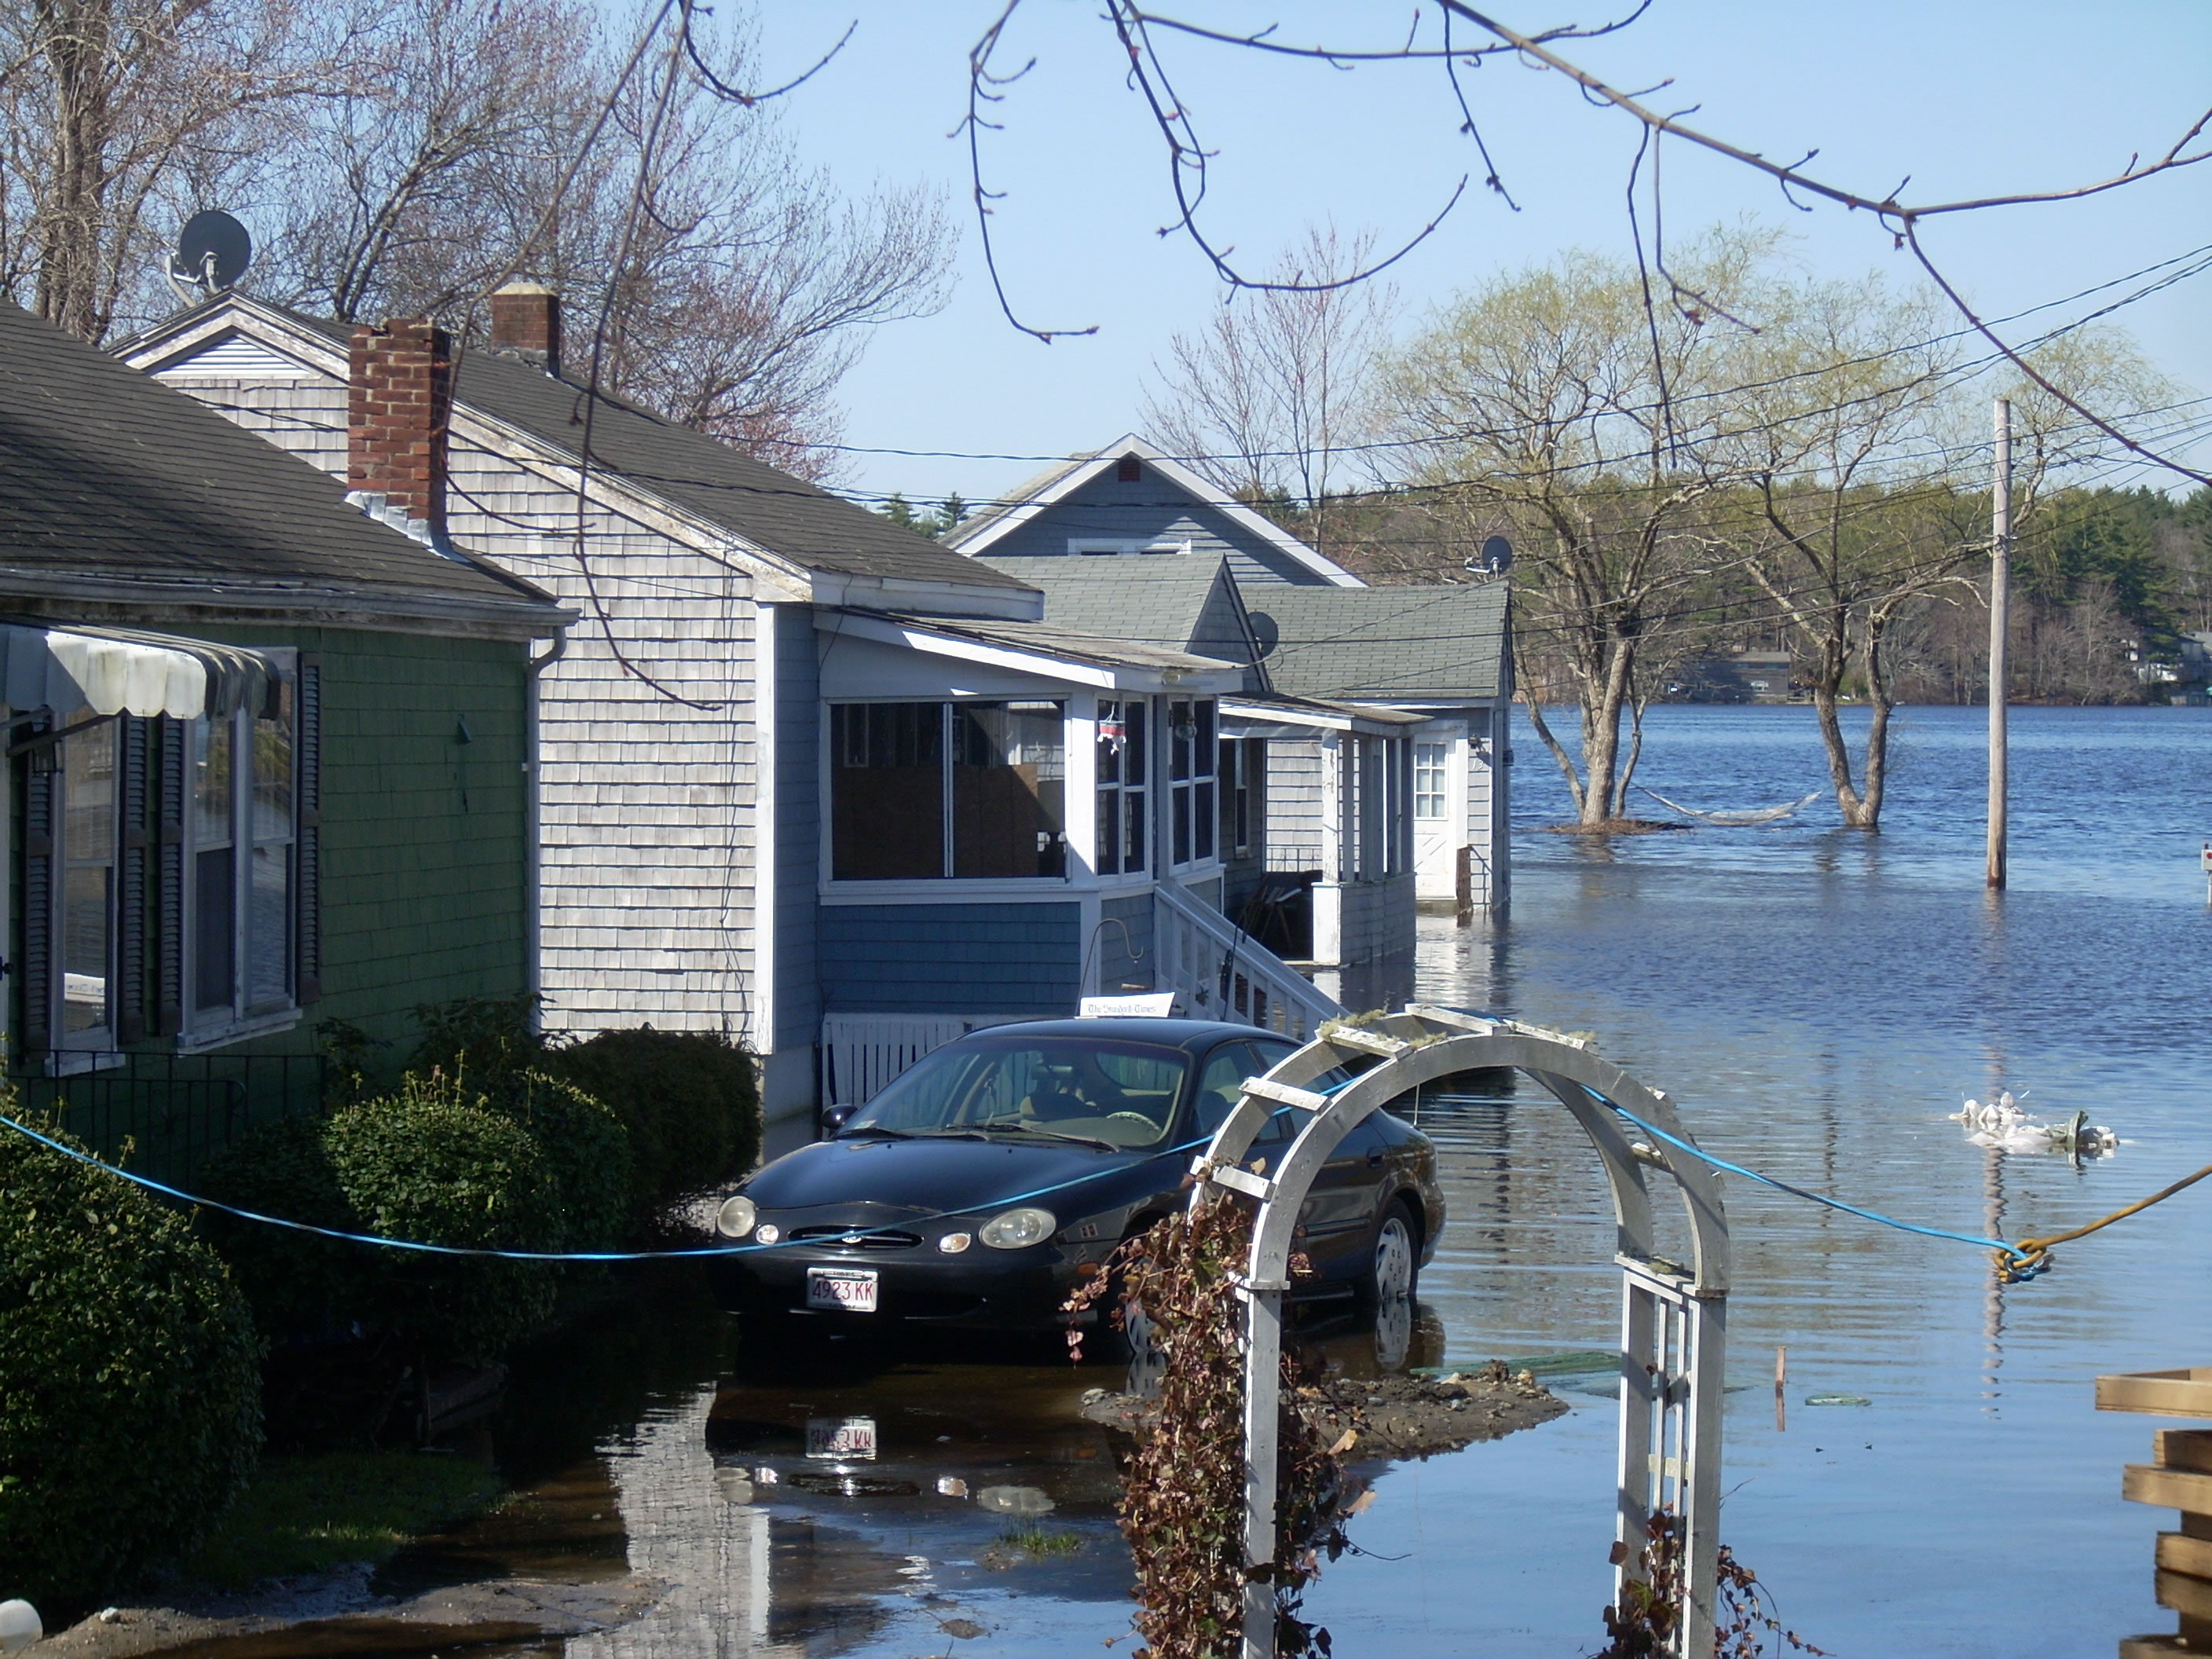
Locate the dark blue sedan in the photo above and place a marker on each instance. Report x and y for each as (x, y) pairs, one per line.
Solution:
(996, 1174)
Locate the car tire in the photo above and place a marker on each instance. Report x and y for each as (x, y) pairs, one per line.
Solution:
(1394, 1268)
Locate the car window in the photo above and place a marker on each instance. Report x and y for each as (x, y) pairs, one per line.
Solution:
(1082, 1088)
(1222, 1081)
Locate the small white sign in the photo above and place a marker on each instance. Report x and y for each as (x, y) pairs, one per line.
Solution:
(1151, 1004)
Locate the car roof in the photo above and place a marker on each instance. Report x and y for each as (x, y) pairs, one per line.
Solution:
(1192, 1035)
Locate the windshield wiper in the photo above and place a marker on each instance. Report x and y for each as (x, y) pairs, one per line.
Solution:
(1055, 1134)
(887, 1133)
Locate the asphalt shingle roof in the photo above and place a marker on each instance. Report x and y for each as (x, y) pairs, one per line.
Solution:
(778, 512)
(1411, 644)
(106, 475)
(1160, 600)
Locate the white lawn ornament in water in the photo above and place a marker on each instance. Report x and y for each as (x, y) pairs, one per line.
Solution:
(19, 1626)
(2002, 1125)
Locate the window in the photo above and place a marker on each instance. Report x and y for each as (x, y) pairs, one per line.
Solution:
(170, 870)
(1191, 756)
(1095, 548)
(1223, 1081)
(1243, 762)
(241, 834)
(1429, 773)
(1122, 772)
(87, 897)
(925, 791)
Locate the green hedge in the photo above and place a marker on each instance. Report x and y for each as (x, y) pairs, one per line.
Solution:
(432, 1162)
(130, 1381)
(691, 1101)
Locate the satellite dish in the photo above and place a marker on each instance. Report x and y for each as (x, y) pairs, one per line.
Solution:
(1495, 559)
(213, 251)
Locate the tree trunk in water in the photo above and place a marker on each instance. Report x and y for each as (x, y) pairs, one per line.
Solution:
(1601, 704)
(1535, 707)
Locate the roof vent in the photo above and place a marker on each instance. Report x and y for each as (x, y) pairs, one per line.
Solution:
(1129, 470)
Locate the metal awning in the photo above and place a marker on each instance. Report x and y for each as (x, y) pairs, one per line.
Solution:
(122, 670)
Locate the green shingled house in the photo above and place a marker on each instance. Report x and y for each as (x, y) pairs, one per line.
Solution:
(269, 757)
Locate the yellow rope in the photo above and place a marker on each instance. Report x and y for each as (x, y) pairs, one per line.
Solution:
(2032, 1256)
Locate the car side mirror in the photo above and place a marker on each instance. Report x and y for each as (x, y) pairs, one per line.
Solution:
(834, 1118)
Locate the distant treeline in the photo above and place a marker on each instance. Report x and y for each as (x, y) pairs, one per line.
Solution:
(2107, 584)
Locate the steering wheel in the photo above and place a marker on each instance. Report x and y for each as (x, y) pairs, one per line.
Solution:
(1134, 1117)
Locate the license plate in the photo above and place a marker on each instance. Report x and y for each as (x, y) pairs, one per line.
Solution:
(841, 1437)
(849, 1289)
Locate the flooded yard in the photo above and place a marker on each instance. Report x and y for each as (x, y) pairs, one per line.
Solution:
(1819, 1002)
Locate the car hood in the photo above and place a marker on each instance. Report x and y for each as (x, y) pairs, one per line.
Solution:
(953, 1176)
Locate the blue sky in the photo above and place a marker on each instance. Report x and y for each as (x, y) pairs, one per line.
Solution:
(1967, 98)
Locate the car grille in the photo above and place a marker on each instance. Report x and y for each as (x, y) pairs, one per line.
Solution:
(854, 1239)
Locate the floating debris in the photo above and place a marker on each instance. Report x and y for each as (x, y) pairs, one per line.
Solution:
(1838, 1400)
(2001, 1125)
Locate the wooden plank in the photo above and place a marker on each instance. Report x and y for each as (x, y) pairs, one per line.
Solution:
(2183, 1449)
(2152, 1647)
(2190, 1597)
(2167, 1489)
(2186, 1393)
(2180, 1553)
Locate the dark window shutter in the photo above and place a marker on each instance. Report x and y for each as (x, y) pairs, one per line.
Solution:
(36, 972)
(133, 874)
(307, 866)
(166, 914)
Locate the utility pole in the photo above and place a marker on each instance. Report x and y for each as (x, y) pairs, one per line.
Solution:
(2000, 607)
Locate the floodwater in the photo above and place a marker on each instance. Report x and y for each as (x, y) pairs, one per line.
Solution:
(1817, 1002)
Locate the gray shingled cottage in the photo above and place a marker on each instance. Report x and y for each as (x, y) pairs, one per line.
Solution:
(1438, 654)
(266, 755)
(801, 775)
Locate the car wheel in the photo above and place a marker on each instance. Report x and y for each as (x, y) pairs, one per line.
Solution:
(1397, 1262)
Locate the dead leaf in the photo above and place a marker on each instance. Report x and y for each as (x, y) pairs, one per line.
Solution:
(1345, 1442)
(962, 1629)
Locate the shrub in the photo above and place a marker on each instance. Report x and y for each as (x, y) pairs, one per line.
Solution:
(586, 1148)
(689, 1099)
(430, 1163)
(130, 1388)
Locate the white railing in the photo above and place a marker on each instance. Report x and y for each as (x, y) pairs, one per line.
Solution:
(861, 1053)
(1193, 944)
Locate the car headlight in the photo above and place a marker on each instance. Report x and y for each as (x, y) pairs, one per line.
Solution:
(736, 1217)
(1017, 1229)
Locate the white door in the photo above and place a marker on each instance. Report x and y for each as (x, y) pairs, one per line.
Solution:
(1439, 807)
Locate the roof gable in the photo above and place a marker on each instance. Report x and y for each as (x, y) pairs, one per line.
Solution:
(775, 512)
(1164, 601)
(1056, 484)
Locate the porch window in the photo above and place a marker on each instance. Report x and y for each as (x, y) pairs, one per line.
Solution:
(926, 791)
(1429, 771)
(1122, 773)
(1193, 753)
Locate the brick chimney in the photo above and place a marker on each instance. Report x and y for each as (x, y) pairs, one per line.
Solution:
(398, 407)
(525, 324)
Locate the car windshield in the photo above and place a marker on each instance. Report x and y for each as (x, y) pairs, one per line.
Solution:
(1122, 1094)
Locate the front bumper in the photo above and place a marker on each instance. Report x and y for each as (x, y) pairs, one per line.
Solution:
(980, 1288)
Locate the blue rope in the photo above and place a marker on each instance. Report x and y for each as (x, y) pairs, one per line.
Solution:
(1997, 1244)
(152, 1185)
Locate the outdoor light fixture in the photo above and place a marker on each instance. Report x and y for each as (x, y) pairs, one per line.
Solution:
(1017, 1229)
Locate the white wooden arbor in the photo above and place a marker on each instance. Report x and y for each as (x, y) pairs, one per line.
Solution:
(1674, 1316)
